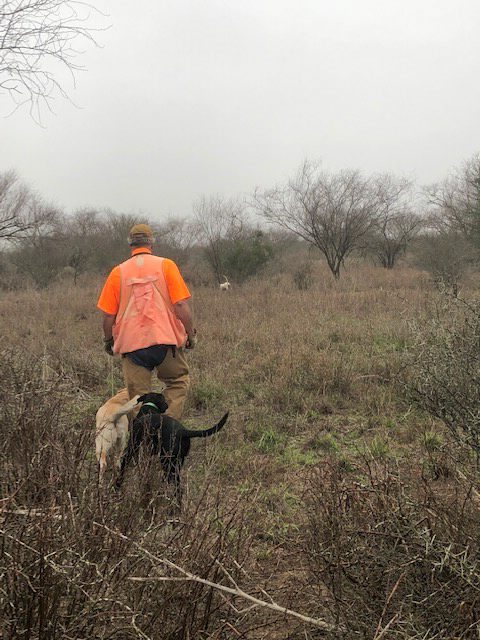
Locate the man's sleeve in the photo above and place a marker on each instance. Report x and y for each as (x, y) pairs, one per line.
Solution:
(110, 296)
(177, 288)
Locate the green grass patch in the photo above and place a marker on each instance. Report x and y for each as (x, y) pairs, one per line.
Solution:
(207, 393)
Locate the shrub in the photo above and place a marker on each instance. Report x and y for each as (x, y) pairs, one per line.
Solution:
(442, 374)
(302, 277)
(446, 257)
(389, 559)
(247, 256)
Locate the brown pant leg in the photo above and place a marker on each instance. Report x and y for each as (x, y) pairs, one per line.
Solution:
(173, 372)
(138, 379)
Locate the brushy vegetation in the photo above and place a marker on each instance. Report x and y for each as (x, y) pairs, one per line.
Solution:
(329, 491)
(444, 373)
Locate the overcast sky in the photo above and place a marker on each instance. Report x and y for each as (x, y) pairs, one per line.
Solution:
(194, 97)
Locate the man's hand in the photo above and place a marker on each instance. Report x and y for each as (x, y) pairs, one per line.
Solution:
(191, 340)
(108, 345)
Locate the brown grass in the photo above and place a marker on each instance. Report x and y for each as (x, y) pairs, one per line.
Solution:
(326, 490)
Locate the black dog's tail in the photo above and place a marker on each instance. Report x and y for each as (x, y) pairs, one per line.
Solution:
(204, 433)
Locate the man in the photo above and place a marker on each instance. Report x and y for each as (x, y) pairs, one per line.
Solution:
(147, 319)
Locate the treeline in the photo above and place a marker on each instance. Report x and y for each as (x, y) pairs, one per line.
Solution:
(342, 214)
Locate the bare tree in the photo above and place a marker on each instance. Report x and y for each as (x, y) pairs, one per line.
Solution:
(392, 237)
(219, 220)
(455, 201)
(81, 237)
(37, 39)
(21, 211)
(176, 238)
(397, 223)
(40, 253)
(332, 212)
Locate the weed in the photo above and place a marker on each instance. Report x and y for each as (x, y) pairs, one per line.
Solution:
(345, 464)
(294, 457)
(325, 442)
(379, 448)
(432, 441)
(269, 440)
(389, 423)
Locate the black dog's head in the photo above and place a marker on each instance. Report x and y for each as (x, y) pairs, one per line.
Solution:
(154, 401)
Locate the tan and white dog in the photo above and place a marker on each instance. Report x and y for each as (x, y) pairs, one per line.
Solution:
(112, 430)
(225, 286)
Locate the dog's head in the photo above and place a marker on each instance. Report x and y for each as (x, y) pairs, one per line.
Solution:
(154, 401)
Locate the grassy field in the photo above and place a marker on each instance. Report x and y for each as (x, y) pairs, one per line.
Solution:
(328, 492)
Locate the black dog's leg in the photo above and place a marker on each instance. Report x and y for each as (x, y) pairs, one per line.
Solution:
(134, 443)
(171, 468)
(172, 462)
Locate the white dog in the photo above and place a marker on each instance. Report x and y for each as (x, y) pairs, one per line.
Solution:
(112, 429)
(225, 286)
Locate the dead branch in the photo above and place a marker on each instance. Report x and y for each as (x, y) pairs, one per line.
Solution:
(321, 624)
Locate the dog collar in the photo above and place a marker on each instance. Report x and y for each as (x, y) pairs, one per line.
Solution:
(150, 404)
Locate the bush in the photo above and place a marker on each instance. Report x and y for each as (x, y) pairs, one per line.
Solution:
(391, 560)
(303, 276)
(247, 256)
(442, 375)
(446, 257)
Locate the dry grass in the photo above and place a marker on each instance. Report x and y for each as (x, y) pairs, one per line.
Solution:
(320, 441)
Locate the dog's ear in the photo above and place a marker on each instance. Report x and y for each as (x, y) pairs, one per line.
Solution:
(161, 403)
(141, 398)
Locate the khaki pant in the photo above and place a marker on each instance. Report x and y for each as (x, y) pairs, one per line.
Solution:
(173, 372)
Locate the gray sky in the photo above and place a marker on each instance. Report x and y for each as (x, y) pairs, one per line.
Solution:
(193, 97)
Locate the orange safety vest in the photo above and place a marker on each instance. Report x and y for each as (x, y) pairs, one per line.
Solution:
(145, 313)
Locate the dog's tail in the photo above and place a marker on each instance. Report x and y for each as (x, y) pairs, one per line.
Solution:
(204, 433)
(126, 408)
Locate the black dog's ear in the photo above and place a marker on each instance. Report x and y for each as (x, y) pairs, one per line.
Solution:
(141, 398)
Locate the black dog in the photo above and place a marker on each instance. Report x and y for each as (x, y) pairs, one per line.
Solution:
(164, 436)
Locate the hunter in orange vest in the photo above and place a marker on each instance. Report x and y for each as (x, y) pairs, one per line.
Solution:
(147, 319)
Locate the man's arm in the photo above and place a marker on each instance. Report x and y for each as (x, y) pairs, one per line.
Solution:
(184, 314)
(108, 304)
(108, 322)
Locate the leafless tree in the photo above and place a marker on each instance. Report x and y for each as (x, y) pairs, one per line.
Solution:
(333, 212)
(219, 220)
(397, 221)
(81, 237)
(455, 201)
(175, 238)
(392, 237)
(21, 211)
(39, 253)
(37, 39)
